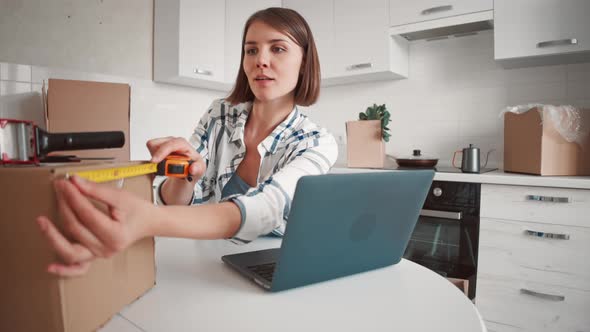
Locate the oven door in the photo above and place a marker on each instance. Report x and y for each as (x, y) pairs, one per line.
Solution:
(446, 242)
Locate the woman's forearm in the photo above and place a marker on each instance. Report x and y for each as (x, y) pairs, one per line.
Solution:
(207, 221)
(177, 191)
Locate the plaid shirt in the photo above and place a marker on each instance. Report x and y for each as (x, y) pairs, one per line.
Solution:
(296, 147)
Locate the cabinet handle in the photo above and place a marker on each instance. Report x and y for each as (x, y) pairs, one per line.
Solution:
(436, 9)
(360, 66)
(547, 199)
(556, 236)
(542, 295)
(559, 42)
(441, 214)
(200, 71)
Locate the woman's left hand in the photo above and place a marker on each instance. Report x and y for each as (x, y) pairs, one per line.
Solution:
(94, 232)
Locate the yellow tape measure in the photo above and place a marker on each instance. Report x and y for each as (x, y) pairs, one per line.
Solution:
(116, 173)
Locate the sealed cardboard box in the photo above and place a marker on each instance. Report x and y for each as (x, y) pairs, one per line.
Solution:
(34, 300)
(534, 146)
(365, 145)
(75, 106)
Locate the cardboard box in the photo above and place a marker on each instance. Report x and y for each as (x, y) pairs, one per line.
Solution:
(536, 147)
(34, 300)
(74, 106)
(365, 144)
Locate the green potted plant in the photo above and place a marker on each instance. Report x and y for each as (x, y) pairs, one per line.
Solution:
(378, 112)
(366, 137)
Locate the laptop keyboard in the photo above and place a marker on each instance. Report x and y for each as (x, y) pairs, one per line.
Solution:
(264, 270)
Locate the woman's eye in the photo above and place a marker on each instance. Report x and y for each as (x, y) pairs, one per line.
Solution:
(278, 49)
(251, 51)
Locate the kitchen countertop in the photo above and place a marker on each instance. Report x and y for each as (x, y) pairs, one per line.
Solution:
(196, 291)
(495, 177)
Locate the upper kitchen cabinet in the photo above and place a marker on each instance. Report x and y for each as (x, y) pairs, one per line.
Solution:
(364, 50)
(353, 41)
(433, 19)
(319, 15)
(189, 43)
(532, 32)
(405, 12)
(237, 12)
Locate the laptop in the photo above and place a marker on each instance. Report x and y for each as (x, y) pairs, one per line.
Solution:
(340, 224)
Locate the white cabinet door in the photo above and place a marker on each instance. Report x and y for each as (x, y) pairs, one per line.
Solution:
(236, 14)
(188, 42)
(532, 28)
(361, 36)
(353, 41)
(320, 17)
(201, 33)
(404, 12)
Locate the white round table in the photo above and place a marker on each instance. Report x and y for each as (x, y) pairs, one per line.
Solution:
(196, 291)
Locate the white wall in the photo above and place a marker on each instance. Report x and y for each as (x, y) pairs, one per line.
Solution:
(452, 98)
(102, 36)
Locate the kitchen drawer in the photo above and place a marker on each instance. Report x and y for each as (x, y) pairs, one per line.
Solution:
(404, 12)
(515, 249)
(509, 304)
(537, 204)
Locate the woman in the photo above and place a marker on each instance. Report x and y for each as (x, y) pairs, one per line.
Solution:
(249, 150)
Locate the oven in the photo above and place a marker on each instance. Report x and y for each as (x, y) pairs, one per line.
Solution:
(446, 237)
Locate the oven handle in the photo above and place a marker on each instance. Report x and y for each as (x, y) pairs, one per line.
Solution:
(442, 214)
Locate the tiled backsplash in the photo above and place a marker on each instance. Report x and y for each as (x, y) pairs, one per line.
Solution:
(453, 97)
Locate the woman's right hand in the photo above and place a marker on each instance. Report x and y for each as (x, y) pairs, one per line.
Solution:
(160, 148)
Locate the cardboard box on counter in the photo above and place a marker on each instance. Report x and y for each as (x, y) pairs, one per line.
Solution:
(365, 147)
(81, 106)
(32, 299)
(534, 146)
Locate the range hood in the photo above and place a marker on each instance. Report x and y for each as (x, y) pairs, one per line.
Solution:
(454, 26)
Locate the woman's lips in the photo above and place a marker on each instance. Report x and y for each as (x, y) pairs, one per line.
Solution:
(263, 81)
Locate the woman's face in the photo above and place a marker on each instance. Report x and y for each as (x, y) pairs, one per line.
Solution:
(272, 62)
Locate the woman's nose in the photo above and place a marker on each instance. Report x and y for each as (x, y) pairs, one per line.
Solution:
(262, 60)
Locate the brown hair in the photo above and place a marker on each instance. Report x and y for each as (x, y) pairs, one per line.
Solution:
(289, 22)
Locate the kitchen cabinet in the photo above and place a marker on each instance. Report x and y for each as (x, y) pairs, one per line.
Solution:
(531, 32)
(189, 43)
(319, 16)
(533, 274)
(236, 14)
(353, 41)
(405, 12)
